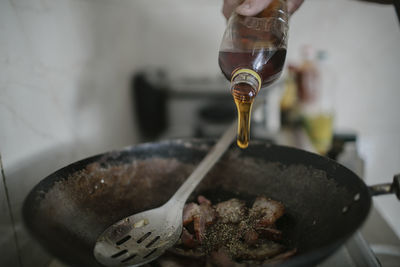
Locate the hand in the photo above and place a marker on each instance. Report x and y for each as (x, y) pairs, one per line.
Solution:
(253, 7)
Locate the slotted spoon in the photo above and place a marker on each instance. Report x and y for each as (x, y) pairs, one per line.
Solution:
(143, 237)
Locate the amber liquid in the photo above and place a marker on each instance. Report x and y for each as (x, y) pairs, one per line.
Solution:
(244, 116)
(268, 64)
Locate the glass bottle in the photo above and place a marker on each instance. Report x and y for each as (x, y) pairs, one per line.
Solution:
(251, 56)
(317, 100)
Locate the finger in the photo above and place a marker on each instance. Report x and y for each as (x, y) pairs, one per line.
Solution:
(229, 6)
(293, 5)
(252, 7)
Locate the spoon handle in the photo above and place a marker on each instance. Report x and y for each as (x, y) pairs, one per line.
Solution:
(205, 165)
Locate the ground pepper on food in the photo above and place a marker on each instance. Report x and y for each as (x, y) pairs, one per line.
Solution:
(233, 237)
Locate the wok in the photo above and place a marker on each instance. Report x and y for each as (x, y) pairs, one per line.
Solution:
(325, 202)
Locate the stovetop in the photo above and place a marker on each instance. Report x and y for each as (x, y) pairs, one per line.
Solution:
(356, 252)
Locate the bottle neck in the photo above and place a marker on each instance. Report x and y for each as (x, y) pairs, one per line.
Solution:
(245, 84)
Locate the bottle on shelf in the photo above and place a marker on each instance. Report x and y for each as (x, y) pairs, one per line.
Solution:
(316, 98)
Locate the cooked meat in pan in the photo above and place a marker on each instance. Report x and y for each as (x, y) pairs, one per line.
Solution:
(230, 233)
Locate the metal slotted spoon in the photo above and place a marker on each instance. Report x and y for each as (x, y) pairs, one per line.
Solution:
(143, 237)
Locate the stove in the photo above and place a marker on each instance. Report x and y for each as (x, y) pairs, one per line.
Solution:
(356, 252)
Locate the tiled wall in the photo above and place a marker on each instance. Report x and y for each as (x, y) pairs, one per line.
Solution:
(65, 67)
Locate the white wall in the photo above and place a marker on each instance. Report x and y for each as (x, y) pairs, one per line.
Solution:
(65, 67)
(64, 93)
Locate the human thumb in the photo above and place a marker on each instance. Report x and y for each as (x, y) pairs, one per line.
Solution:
(252, 7)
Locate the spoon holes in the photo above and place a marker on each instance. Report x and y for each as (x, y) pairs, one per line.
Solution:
(129, 258)
(123, 240)
(143, 237)
(152, 242)
(148, 255)
(116, 255)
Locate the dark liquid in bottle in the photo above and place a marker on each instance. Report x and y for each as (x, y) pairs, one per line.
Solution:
(268, 64)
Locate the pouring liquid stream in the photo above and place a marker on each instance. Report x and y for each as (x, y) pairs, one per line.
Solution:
(244, 117)
(244, 104)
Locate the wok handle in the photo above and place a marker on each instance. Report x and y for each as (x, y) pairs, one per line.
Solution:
(382, 189)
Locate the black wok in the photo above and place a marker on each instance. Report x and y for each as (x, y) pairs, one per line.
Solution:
(325, 202)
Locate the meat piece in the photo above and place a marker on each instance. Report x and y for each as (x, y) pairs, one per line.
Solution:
(266, 211)
(208, 213)
(201, 216)
(188, 239)
(265, 250)
(250, 237)
(201, 199)
(248, 234)
(269, 233)
(231, 211)
(205, 217)
(189, 212)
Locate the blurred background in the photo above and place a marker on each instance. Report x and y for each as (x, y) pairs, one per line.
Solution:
(81, 77)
